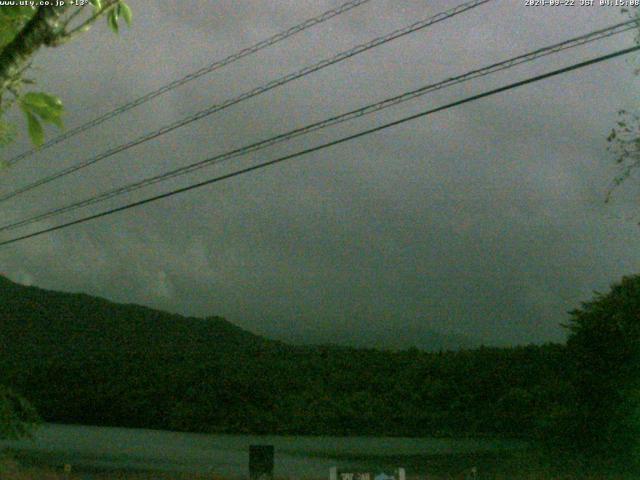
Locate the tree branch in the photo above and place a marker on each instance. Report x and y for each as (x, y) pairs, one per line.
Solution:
(41, 30)
(84, 26)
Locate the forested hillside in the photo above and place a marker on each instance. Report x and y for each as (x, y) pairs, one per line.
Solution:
(82, 359)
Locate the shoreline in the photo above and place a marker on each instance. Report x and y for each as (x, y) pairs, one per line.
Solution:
(523, 466)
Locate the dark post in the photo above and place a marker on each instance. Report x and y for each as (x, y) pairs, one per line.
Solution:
(261, 462)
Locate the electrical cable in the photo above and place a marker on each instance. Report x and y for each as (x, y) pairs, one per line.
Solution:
(369, 109)
(192, 76)
(324, 145)
(251, 93)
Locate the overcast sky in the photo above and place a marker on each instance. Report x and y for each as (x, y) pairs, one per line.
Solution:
(487, 219)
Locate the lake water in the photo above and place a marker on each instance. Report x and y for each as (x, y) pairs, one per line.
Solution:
(122, 448)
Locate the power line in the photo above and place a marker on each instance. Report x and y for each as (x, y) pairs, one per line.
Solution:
(251, 93)
(192, 76)
(325, 145)
(369, 109)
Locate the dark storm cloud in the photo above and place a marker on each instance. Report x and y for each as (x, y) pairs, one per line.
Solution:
(487, 219)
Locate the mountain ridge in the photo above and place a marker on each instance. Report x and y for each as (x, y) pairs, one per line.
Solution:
(424, 339)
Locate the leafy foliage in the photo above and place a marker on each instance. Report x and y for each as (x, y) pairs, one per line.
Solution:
(122, 10)
(624, 143)
(125, 12)
(18, 418)
(624, 138)
(12, 20)
(40, 107)
(605, 347)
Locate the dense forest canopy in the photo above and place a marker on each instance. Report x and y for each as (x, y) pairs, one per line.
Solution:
(86, 360)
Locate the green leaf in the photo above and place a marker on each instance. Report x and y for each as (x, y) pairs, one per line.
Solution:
(112, 20)
(36, 132)
(57, 121)
(12, 20)
(48, 107)
(97, 4)
(17, 12)
(125, 12)
(6, 35)
(43, 100)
